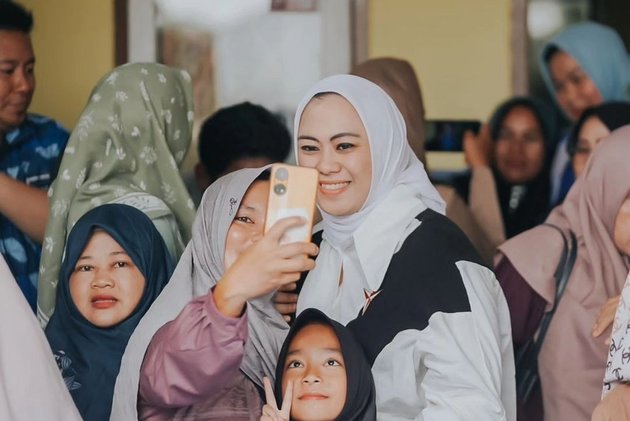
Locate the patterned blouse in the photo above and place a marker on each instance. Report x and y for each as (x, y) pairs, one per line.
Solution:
(30, 154)
(618, 366)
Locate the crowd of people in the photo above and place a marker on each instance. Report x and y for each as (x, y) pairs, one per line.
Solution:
(502, 296)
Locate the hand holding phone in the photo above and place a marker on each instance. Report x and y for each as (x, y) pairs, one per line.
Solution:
(292, 192)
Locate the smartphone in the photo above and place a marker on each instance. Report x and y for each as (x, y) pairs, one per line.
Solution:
(448, 135)
(292, 192)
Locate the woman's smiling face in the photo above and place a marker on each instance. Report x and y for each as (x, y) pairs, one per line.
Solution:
(333, 140)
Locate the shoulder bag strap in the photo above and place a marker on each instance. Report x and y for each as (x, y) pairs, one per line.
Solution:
(562, 274)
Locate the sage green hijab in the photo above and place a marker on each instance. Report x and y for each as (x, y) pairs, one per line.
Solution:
(126, 148)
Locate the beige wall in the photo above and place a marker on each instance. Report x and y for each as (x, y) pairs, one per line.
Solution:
(460, 50)
(74, 47)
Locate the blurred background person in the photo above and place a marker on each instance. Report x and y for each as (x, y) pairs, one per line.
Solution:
(516, 146)
(597, 210)
(244, 135)
(399, 80)
(593, 126)
(583, 66)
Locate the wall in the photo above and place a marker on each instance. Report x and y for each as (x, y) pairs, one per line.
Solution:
(74, 47)
(460, 50)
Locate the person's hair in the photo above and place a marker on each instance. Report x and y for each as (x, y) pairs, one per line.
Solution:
(550, 52)
(321, 95)
(264, 176)
(613, 115)
(541, 112)
(244, 130)
(14, 17)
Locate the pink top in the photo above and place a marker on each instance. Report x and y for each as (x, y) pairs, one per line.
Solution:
(191, 359)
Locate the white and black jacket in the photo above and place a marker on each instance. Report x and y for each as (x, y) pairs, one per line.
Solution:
(437, 332)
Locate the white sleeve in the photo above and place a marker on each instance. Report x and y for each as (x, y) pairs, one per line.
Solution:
(460, 367)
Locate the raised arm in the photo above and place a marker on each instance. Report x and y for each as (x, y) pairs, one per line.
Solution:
(193, 356)
(25, 206)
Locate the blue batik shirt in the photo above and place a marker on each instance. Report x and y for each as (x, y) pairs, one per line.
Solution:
(30, 154)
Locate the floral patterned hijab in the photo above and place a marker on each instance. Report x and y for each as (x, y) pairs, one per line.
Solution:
(126, 148)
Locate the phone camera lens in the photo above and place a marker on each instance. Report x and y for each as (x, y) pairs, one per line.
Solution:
(282, 174)
(280, 189)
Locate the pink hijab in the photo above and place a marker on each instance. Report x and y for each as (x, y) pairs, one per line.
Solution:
(571, 362)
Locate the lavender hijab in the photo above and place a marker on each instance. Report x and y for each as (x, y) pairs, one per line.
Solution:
(199, 269)
(571, 362)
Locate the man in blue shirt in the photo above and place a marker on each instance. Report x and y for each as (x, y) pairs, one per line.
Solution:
(30, 149)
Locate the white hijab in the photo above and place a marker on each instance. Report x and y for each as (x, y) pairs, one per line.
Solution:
(400, 189)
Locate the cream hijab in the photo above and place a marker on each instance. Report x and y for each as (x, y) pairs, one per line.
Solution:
(400, 189)
(571, 362)
(31, 386)
(199, 269)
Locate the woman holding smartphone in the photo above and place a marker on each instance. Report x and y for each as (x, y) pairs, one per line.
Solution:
(212, 334)
(406, 281)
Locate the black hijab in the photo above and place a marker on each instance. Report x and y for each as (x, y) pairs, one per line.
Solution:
(532, 207)
(89, 356)
(613, 114)
(527, 205)
(360, 397)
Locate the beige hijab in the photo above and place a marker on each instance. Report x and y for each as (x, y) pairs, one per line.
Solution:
(571, 362)
(398, 79)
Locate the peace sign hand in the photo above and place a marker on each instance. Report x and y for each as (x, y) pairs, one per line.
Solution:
(270, 411)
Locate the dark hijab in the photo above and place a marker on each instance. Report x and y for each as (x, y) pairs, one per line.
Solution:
(613, 114)
(524, 206)
(360, 397)
(89, 356)
(527, 205)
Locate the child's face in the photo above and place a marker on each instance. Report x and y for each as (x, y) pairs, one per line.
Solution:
(333, 140)
(316, 367)
(105, 285)
(249, 223)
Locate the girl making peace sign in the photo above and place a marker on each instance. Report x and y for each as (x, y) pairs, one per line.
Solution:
(322, 374)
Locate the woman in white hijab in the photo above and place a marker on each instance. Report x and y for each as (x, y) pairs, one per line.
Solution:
(408, 283)
(31, 387)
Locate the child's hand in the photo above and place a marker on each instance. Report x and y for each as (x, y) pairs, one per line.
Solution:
(270, 411)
